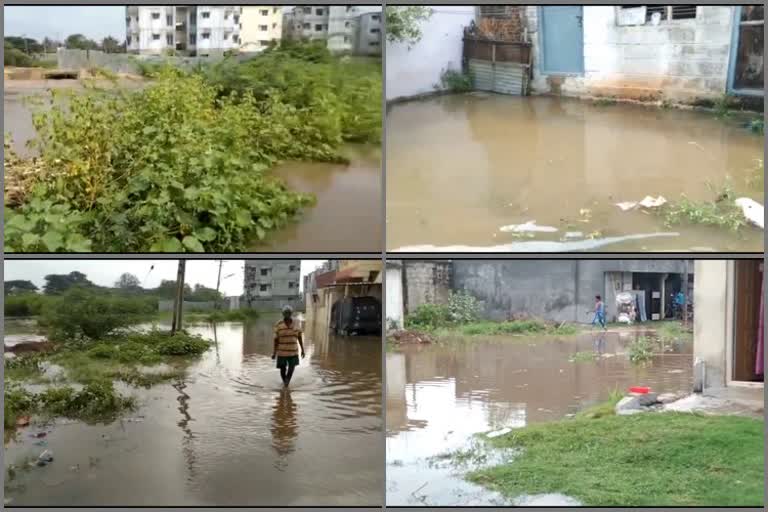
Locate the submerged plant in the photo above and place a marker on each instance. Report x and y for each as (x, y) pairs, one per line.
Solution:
(720, 212)
(455, 81)
(641, 350)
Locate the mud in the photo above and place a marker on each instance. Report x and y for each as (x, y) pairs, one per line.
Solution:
(461, 167)
(226, 434)
(439, 397)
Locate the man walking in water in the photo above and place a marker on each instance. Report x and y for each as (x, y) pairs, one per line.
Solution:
(599, 312)
(286, 348)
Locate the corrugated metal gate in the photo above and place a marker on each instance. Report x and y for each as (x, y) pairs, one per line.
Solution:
(498, 66)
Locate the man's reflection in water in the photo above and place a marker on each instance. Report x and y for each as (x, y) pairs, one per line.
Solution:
(600, 344)
(284, 428)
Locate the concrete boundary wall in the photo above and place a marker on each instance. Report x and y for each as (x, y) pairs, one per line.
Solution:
(130, 63)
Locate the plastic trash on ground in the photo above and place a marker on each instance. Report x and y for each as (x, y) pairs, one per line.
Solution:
(625, 308)
(753, 211)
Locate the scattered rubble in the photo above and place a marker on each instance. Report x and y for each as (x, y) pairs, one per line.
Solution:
(406, 337)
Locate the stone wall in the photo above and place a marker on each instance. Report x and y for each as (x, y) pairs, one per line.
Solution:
(426, 282)
(683, 60)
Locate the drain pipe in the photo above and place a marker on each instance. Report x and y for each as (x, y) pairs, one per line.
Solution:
(699, 375)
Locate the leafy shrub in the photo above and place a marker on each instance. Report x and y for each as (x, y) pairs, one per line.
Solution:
(183, 344)
(15, 57)
(97, 401)
(235, 315)
(757, 126)
(429, 316)
(455, 81)
(84, 313)
(17, 401)
(720, 212)
(42, 226)
(23, 305)
(463, 307)
(171, 168)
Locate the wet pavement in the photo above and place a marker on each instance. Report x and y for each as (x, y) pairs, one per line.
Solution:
(226, 434)
(460, 168)
(438, 397)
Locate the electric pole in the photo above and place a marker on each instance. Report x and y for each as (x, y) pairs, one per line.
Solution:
(218, 283)
(178, 301)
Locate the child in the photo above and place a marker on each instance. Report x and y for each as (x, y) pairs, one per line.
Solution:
(286, 348)
(599, 312)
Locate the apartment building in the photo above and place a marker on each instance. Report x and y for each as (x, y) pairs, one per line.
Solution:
(339, 25)
(184, 29)
(271, 284)
(261, 25)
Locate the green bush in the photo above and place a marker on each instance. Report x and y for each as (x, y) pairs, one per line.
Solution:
(23, 305)
(428, 316)
(235, 315)
(15, 57)
(172, 167)
(97, 401)
(17, 401)
(84, 313)
(641, 350)
(183, 344)
(455, 81)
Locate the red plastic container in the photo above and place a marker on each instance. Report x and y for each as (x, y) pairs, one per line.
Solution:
(642, 390)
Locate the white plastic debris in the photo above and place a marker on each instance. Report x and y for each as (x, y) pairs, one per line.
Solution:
(528, 227)
(652, 202)
(499, 433)
(627, 205)
(753, 211)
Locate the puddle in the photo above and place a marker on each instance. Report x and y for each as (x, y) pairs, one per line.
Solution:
(461, 167)
(346, 218)
(226, 434)
(439, 397)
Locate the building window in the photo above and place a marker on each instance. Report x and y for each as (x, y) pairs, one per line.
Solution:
(307, 10)
(263, 287)
(291, 284)
(264, 271)
(192, 38)
(169, 20)
(346, 24)
(493, 11)
(263, 28)
(307, 26)
(346, 39)
(274, 10)
(237, 19)
(127, 19)
(128, 40)
(318, 28)
(155, 37)
(373, 43)
(226, 36)
(155, 15)
(274, 25)
(293, 268)
(375, 31)
(319, 12)
(376, 17)
(264, 12)
(650, 10)
(263, 43)
(235, 38)
(206, 35)
(169, 39)
(205, 14)
(683, 12)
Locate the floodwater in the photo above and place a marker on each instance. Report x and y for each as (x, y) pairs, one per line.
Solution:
(438, 397)
(461, 167)
(347, 215)
(227, 434)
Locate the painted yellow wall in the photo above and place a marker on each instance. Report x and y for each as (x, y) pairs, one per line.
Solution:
(254, 39)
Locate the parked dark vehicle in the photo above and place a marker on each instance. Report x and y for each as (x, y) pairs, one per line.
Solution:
(356, 315)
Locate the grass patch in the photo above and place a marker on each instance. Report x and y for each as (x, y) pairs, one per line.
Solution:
(234, 315)
(607, 408)
(721, 212)
(509, 328)
(674, 331)
(23, 367)
(604, 102)
(586, 356)
(664, 459)
(641, 350)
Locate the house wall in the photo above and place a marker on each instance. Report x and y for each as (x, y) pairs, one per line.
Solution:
(426, 282)
(394, 311)
(416, 70)
(283, 280)
(369, 34)
(223, 25)
(554, 290)
(141, 26)
(712, 323)
(678, 60)
(252, 38)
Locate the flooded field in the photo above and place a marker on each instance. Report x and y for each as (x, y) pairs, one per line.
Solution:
(226, 434)
(439, 396)
(460, 168)
(347, 216)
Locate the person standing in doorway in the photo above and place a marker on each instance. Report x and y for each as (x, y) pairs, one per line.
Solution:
(599, 312)
(288, 340)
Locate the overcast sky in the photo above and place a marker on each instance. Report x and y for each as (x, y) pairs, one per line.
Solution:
(57, 22)
(106, 272)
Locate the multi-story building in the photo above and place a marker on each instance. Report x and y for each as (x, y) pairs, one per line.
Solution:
(339, 25)
(271, 284)
(261, 25)
(185, 29)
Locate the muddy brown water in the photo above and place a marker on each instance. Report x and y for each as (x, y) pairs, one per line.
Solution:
(226, 434)
(438, 397)
(346, 217)
(461, 167)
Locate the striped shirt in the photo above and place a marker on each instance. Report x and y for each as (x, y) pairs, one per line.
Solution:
(287, 339)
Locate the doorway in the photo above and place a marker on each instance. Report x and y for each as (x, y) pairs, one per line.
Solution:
(747, 342)
(746, 74)
(562, 39)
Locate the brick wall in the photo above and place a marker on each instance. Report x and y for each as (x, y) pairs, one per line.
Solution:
(426, 282)
(502, 22)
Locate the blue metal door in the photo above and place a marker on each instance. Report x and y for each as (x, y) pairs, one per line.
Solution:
(562, 39)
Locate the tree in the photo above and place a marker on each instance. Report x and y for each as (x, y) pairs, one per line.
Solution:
(111, 45)
(18, 286)
(204, 294)
(24, 44)
(128, 282)
(56, 284)
(80, 42)
(404, 23)
(167, 289)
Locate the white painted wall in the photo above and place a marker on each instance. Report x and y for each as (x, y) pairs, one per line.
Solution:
(417, 70)
(713, 318)
(221, 24)
(394, 297)
(676, 60)
(254, 20)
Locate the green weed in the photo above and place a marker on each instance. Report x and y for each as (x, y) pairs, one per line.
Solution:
(234, 315)
(95, 402)
(721, 212)
(455, 81)
(641, 350)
